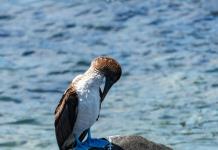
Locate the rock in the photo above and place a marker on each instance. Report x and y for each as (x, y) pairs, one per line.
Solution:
(134, 143)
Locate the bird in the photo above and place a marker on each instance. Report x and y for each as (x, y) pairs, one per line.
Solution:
(80, 105)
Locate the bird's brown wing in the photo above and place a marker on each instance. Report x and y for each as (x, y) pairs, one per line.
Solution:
(65, 118)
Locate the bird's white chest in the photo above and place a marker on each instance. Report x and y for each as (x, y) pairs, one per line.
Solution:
(88, 109)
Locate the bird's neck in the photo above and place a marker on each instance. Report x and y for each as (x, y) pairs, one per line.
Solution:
(90, 80)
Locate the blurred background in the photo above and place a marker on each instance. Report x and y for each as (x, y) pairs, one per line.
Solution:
(168, 50)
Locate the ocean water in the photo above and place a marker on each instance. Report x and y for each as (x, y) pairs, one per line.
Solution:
(168, 50)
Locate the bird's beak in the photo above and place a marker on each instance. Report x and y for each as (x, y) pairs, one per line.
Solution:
(108, 85)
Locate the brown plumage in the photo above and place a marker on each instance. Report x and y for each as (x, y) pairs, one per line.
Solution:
(67, 109)
(108, 66)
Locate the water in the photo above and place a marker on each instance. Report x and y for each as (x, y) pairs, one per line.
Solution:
(168, 51)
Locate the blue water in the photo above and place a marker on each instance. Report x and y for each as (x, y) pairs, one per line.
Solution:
(168, 50)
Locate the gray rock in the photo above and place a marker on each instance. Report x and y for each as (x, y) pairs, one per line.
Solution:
(134, 143)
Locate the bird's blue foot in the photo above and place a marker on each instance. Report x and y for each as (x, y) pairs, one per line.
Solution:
(81, 146)
(90, 143)
(98, 143)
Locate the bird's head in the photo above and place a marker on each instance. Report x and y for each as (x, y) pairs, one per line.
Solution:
(111, 70)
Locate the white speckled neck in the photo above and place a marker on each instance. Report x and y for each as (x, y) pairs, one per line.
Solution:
(89, 80)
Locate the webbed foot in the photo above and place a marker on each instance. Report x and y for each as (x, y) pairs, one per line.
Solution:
(81, 145)
(91, 142)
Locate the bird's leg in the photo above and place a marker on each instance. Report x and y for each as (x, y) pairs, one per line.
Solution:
(80, 145)
(99, 143)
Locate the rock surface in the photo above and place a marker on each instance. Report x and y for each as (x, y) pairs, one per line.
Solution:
(134, 143)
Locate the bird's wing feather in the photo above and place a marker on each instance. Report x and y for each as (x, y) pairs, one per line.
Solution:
(65, 117)
(101, 94)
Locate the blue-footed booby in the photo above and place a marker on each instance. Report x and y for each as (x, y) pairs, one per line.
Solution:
(80, 105)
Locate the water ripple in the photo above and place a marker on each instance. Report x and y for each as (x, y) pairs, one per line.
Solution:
(104, 28)
(23, 122)
(4, 33)
(28, 53)
(128, 14)
(58, 72)
(214, 70)
(12, 144)
(59, 36)
(70, 25)
(39, 90)
(9, 99)
(83, 63)
(6, 17)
